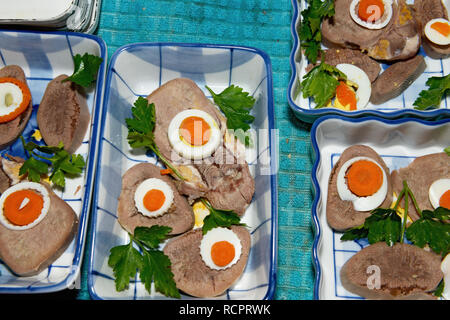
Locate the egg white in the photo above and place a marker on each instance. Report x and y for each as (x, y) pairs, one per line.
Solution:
(381, 23)
(183, 148)
(147, 185)
(215, 235)
(358, 76)
(25, 186)
(436, 190)
(17, 97)
(445, 268)
(435, 36)
(360, 203)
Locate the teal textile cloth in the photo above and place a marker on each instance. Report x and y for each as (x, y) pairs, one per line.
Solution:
(264, 24)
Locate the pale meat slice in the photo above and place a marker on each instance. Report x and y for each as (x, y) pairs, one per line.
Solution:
(63, 114)
(419, 175)
(228, 184)
(404, 271)
(179, 217)
(335, 56)
(340, 213)
(192, 275)
(426, 10)
(11, 130)
(28, 252)
(396, 79)
(399, 40)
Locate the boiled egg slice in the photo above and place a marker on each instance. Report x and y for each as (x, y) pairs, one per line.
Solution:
(220, 248)
(371, 14)
(357, 76)
(24, 205)
(15, 98)
(439, 193)
(438, 31)
(445, 268)
(194, 134)
(200, 213)
(362, 181)
(153, 197)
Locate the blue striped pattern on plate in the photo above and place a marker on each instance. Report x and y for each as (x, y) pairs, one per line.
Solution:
(43, 56)
(400, 106)
(138, 69)
(398, 142)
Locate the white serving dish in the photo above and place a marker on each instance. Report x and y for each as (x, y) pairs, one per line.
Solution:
(43, 56)
(137, 70)
(398, 142)
(401, 106)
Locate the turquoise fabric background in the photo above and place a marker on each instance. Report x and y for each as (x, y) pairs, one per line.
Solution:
(264, 24)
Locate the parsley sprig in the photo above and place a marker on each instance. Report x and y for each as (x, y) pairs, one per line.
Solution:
(153, 265)
(385, 225)
(236, 105)
(219, 218)
(62, 163)
(309, 31)
(438, 88)
(321, 82)
(86, 68)
(140, 130)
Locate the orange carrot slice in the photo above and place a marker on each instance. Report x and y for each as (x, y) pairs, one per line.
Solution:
(154, 199)
(25, 100)
(444, 201)
(222, 253)
(165, 171)
(370, 10)
(30, 211)
(364, 178)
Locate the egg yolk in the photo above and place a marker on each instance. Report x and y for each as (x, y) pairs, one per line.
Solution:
(222, 253)
(370, 10)
(195, 131)
(441, 27)
(364, 178)
(346, 95)
(23, 207)
(154, 199)
(444, 201)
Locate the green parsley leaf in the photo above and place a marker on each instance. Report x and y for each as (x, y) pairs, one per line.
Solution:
(34, 169)
(152, 237)
(320, 83)
(309, 33)
(151, 263)
(219, 218)
(63, 163)
(86, 69)
(236, 104)
(447, 150)
(439, 289)
(143, 120)
(156, 268)
(140, 130)
(431, 229)
(125, 260)
(438, 88)
(381, 225)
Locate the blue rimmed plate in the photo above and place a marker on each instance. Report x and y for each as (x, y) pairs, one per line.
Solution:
(137, 70)
(398, 142)
(401, 106)
(43, 56)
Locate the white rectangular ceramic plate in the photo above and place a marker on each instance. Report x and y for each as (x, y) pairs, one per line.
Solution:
(43, 56)
(137, 70)
(400, 106)
(398, 142)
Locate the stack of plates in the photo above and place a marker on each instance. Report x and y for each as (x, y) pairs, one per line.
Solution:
(73, 15)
